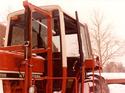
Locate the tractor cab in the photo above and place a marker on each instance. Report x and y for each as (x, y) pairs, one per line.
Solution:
(65, 38)
(46, 48)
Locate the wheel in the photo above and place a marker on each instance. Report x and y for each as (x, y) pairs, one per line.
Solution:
(100, 85)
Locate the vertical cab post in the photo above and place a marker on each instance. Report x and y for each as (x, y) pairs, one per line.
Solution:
(28, 47)
(64, 58)
(80, 52)
(49, 87)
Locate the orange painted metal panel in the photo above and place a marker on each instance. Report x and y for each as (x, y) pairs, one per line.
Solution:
(89, 63)
(13, 61)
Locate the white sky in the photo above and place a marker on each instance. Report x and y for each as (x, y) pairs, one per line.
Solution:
(113, 10)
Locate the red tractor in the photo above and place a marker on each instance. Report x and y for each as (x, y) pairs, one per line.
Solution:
(48, 51)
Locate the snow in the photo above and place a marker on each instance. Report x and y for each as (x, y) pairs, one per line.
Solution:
(113, 75)
(116, 88)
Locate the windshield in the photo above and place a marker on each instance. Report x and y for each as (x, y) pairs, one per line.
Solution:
(39, 31)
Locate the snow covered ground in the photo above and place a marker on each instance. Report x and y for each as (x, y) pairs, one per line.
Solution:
(117, 88)
(113, 75)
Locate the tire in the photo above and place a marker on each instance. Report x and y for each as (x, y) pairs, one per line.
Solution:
(100, 85)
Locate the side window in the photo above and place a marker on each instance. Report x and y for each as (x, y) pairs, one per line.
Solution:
(56, 32)
(72, 47)
(86, 42)
(40, 28)
(39, 34)
(56, 43)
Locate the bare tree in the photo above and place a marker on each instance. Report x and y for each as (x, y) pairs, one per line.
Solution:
(103, 43)
(114, 67)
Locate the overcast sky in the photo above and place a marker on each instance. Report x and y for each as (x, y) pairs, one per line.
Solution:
(113, 10)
